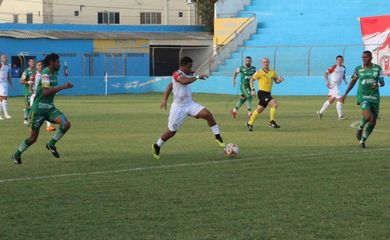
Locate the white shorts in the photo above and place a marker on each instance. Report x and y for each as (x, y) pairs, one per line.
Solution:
(178, 114)
(4, 89)
(335, 92)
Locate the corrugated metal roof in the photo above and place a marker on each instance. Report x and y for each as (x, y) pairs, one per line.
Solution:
(104, 35)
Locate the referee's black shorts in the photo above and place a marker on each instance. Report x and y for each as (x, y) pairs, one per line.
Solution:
(264, 98)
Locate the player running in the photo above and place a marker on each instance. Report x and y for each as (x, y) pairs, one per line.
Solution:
(36, 80)
(5, 79)
(370, 79)
(337, 74)
(183, 106)
(43, 108)
(265, 76)
(246, 73)
(25, 80)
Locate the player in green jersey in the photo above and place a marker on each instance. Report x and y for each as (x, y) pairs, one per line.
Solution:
(25, 80)
(246, 73)
(370, 79)
(43, 108)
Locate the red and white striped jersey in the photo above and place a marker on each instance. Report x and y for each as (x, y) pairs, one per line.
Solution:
(336, 74)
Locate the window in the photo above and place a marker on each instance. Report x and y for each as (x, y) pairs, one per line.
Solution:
(150, 18)
(181, 14)
(29, 18)
(108, 18)
(15, 18)
(76, 13)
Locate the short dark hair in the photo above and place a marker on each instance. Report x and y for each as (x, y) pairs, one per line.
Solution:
(50, 58)
(185, 60)
(367, 52)
(339, 56)
(248, 57)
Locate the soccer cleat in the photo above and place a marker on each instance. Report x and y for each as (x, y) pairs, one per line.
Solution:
(1, 118)
(362, 145)
(156, 151)
(50, 129)
(233, 113)
(342, 118)
(7, 116)
(53, 150)
(319, 115)
(250, 127)
(26, 122)
(220, 143)
(17, 159)
(359, 134)
(273, 124)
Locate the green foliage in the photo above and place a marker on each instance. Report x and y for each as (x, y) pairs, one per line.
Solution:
(206, 10)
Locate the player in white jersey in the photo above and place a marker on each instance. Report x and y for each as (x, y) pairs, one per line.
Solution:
(183, 106)
(337, 74)
(5, 79)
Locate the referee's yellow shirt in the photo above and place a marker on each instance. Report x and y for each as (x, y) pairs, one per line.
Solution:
(265, 79)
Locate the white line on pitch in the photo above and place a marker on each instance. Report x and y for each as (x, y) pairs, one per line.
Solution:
(318, 154)
(354, 125)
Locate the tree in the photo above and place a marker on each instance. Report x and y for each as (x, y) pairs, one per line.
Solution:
(205, 9)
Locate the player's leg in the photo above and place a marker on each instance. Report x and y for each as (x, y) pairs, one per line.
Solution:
(50, 127)
(64, 125)
(4, 99)
(238, 105)
(259, 109)
(26, 110)
(177, 116)
(36, 122)
(206, 115)
(1, 106)
(339, 108)
(371, 115)
(325, 106)
(272, 113)
(248, 101)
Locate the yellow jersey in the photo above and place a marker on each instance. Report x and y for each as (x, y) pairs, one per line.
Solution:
(265, 79)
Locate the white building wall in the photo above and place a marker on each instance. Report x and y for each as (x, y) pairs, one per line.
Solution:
(8, 8)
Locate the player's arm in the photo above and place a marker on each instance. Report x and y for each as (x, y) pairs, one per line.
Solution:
(188, 80)
(23, 78)
(9, 78)
(381, 79)
(252, 85)
(47, 90)
(277, 79)
(166, 94)
(354, 78)
(235, 76)
(326, 76)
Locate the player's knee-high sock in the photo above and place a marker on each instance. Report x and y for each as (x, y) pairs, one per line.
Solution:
(272, 114)
(325, 106)
(239, 103)
(339, 108)
(57, 136)
(26, 111)
(249, 103)
(216, 132)
(254, 116)
(48, 124)
(367, 132)
(23, 147)
(363, 122)
(1, 107)
(160, 142)
(4, 103)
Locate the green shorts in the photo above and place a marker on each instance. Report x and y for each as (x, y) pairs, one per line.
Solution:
(245, 90)
(370, 105)
(38, 117)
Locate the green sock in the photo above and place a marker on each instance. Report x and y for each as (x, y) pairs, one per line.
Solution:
(363, 122)
(369, 129)
(239, 103)
(57, 136)
(23, 147)
(249, 103)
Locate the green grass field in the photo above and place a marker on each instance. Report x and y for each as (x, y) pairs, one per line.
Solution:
(307, 180)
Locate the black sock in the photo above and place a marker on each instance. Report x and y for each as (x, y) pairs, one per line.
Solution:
(218, 137)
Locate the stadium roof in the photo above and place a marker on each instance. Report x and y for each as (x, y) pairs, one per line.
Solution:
(67, 31)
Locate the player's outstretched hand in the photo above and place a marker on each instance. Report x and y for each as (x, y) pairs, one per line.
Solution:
(203, 77)
(68, 85)
(163, 105)
(281, 79)
(328, 85)
(343, 98)
(234, 83)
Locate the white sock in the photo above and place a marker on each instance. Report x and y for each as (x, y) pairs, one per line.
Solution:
(234, 109)
(339, 107)
(1, 108)
(215, 129)
(160, 142)
(4, 103)
(48, 124)
(324, 107)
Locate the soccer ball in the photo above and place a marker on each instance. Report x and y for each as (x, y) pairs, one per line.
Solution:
(231, 150)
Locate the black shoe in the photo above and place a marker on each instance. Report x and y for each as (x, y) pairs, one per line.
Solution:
(17, 159)
(273, 124)
(362, 145)
(359, 134)
(53, 150)
(250, 127)
(156, 151)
